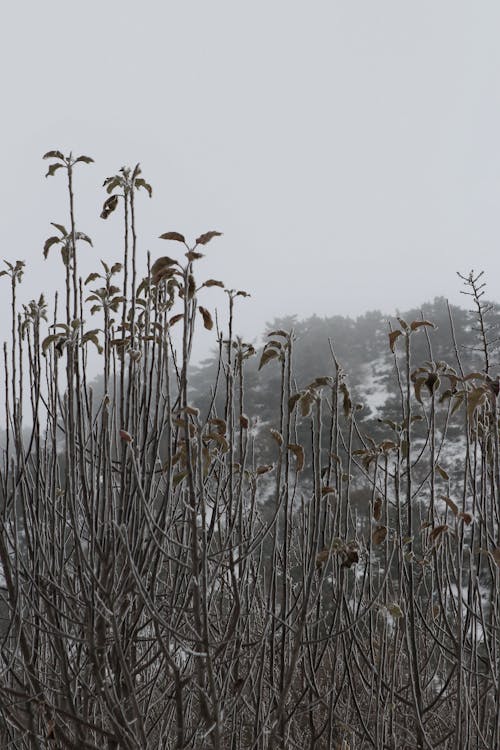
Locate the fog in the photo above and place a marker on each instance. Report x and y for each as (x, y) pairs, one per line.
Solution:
(347, 150)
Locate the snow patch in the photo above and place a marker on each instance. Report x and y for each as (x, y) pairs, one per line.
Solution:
(372, 386)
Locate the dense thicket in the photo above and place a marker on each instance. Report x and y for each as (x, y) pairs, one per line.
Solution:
(239, 555)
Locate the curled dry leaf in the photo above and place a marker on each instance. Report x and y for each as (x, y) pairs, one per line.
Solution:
(442, 473)
(451, 505)
(48, 244)
(267, 355)
(493, 385)
(207, 318)
(417, 385)
(276, 344)
(437, 532)
(84, 159)
(474, 376)
(109, 206)
(264, 469)
(377, 509)
(379, 534)
(53, 169)
(140, 183)
(176, 236)
(306, 403)
(220, 440)
(164, 262)
(350, 556)
(322, 557)
(327, 490)
(126, 436)
(193, 411)
(163, 272)
(419, 323)
(346, 401)
(432, 382)
(476, 398)
(61, 228)
(277, 436)
(244, 421)
(293, 400)
(203, 239)
(192, 255)
(321, 381)
(387, 445)
(298, 452)
(279, 332)
(213, 282)
(219, 424)
(393, 336)
(53, 155)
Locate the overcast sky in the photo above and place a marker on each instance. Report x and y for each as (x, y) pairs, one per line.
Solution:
(348, 149)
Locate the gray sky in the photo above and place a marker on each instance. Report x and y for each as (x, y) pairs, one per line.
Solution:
(347, 149)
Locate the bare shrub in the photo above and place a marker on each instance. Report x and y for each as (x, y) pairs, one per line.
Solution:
(161, 588)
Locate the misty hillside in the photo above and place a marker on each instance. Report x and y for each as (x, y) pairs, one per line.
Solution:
(361, 348)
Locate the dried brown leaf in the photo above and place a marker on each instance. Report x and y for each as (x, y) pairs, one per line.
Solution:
(277, 436)
(379, 534)
(279, 332)
(175, 319)
(207, 318)
(53, 155)
(192, 255)
(451, 505)
(267, 355)
(264, 469)
(442, 473)
(322, 557)
(346, 401)
(438, 531)
(327, 490)
(418, 323)
(298, 452)
(393, 337)
(203, 239)
(292, 401)
(219, 439)
(306, 402)
(219, 424)
(377, 509)
(176, 236)
(350, 557)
